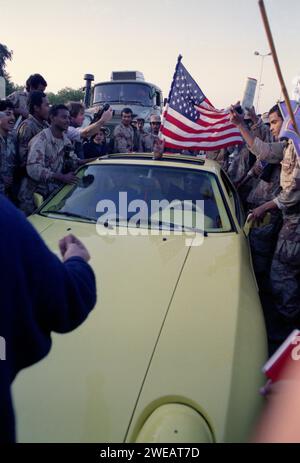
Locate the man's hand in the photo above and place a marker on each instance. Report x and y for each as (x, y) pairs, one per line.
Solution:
(259, 213)
(158, 148)
(236, 118)
(69, 178)
(257, 169)
(106, 116)
(92, 129)
(70, 246)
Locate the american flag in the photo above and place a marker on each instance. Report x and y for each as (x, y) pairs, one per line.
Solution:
(190, 121)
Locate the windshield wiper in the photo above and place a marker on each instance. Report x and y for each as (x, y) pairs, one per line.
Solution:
(172, 226)
(70, 214)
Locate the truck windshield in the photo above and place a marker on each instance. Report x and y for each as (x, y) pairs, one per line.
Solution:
(123, 93)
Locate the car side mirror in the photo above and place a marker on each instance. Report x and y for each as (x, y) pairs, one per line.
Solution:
(38, 200)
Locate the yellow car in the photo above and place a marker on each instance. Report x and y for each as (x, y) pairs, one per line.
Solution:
(173, 350)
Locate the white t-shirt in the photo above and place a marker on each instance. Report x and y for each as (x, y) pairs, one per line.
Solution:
(73, 133)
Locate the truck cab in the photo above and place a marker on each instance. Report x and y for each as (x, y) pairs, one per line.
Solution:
(125, 89)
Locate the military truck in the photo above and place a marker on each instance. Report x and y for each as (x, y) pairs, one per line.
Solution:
(124, 89)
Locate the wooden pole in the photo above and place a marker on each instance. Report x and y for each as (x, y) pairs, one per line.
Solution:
(276, 62)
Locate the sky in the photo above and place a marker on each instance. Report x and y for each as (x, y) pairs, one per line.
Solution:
(64, 39)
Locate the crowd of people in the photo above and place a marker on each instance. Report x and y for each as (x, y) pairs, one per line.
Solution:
(41, 146)
(40, 149)
(266, 172)
(50, 143)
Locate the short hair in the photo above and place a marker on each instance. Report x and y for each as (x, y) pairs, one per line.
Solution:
(102, 130)
(34, 81)
(75, 107)
(6, 104)
(56, 108)
(35, 98)
(276, 109)
(127, 111)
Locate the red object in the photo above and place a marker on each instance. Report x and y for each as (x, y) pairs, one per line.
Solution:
(288, 352)
(191, 122)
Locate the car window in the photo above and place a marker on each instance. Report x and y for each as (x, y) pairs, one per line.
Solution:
(176, 196)
(234, 199)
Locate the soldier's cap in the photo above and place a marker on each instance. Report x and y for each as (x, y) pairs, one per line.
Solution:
(155, 118)
(140, 119)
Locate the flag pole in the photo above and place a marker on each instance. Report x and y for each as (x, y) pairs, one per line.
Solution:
(169, 96)
(276, 63)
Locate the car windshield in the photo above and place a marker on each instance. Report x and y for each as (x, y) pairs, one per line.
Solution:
(123, 93)
(143, 196)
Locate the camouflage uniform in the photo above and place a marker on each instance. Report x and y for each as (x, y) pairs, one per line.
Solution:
(8, 160)
(26, 131)
(240, 164)
(220, 156)
(46, 157)
(147, 142)
(19, 99)
(285, 268)
(123, 139)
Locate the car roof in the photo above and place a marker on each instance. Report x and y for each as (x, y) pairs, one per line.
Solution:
(170, 159)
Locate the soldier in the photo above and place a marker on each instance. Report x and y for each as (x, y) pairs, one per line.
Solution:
(134, 122)
(148, 140)
(124, 133)
(38, 106)
(140, 125)
(49, 152)
(7, 147)
(136, 134)
(244, 169)
(285, 268)
(19, 98)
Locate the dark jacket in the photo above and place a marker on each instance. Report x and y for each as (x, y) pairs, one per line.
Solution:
(94, 150)
(38, 294)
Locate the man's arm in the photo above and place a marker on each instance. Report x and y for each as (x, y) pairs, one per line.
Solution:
(36, 165)
(23, 137)
(289, 197)
(51, 295)
(271, 152)
(20, 104)
(94, 128)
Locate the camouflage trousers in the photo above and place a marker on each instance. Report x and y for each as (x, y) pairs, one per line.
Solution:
(285, 270)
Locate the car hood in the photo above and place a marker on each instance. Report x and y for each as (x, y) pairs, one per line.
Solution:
(166, 327)
(100, 367)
